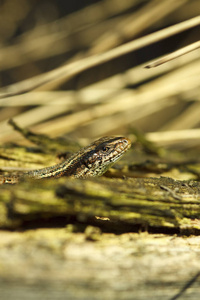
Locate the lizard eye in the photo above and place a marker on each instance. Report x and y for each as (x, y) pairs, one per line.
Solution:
(104, 149)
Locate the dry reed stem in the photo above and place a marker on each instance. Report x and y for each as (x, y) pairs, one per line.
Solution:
(123, 101)
(173, 55)
(54, 78)
(135, 23)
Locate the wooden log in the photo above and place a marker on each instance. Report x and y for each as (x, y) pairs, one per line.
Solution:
(148, 202)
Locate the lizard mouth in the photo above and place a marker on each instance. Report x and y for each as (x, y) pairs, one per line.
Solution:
(123, 145)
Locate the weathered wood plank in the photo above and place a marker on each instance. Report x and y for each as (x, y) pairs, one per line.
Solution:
(155, 202)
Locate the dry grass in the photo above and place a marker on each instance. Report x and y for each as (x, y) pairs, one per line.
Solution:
(83, 74)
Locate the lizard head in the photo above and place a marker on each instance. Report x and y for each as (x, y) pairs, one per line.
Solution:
(103, 153)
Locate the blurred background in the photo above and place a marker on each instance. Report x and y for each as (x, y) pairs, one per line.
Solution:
(109, 97)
